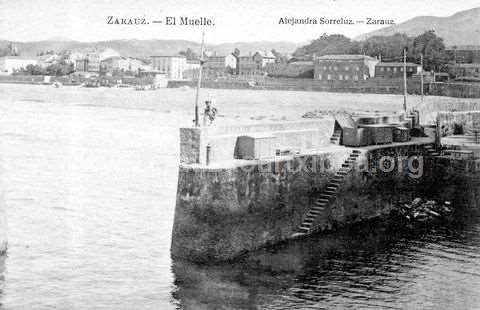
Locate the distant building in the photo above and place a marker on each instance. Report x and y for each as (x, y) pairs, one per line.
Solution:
(11, 64)
(344, 67)
(89, 63)
(173, 66)
(81, 65)
(246, 65)
(464, 70)
(220, 65)
(395, 69)
(300, 69)
(121, 64)
(262, 58)
(93, 64)
(191, 69)
(464, 53)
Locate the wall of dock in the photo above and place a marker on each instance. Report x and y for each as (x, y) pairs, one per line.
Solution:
(460, 90)
(374, 85)
(222, 213)
(371, 86)
(298, 135)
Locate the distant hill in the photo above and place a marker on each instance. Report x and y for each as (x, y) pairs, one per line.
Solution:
(462, 28)
(145, 48)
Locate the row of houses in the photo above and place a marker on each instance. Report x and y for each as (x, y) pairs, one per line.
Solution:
(113, 64)
(327, 67)
(178, 67)
(359, 67)
(464, 54)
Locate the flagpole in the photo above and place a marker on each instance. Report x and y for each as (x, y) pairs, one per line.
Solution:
(199, 81)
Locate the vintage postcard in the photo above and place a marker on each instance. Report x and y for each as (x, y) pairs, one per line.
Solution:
(196, 155)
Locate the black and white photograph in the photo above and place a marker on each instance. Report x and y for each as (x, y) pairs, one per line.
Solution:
(239, 155)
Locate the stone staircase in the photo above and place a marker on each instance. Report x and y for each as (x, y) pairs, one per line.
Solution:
(335, 138)
(316, 216)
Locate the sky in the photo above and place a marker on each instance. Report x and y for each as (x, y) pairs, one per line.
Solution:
(234, 21)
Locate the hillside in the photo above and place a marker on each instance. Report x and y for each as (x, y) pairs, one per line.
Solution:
(462, 28)
(145, 48)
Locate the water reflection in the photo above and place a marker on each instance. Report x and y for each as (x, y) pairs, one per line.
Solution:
(378, 266)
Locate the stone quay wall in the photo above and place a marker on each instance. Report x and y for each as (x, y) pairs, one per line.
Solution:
(222, 213)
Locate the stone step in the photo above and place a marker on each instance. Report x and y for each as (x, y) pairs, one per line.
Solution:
(346, 165)
(342, 173)
(356, 152)
(325, 200)
(303, 230)
(306, 226)
(315, 212)
(332, 185)
(297, 235)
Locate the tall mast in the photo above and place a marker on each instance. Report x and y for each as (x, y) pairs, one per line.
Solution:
(421, 75)
(405, 80)
(199, 81)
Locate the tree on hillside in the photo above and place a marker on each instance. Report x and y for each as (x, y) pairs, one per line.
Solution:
(390, 48)
(329, 44)
(10, 50)
(279, 58)
(433, 50)
(189, 54)
(59, 69)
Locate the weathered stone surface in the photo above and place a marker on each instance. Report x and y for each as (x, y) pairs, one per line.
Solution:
(190, 145)
(222, 213)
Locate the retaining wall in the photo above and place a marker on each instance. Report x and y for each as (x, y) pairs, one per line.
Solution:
(222, 213)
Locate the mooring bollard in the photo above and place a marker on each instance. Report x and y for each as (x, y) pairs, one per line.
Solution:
(209, 147)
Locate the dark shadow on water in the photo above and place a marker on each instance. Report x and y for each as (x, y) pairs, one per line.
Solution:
(3, 258)
(365, 266)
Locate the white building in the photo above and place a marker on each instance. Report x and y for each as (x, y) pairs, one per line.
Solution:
(10, 64)
(173, 66)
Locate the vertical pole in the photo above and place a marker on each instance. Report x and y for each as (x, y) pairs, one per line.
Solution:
(199, 81)
(404, 80)
(421, 76)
